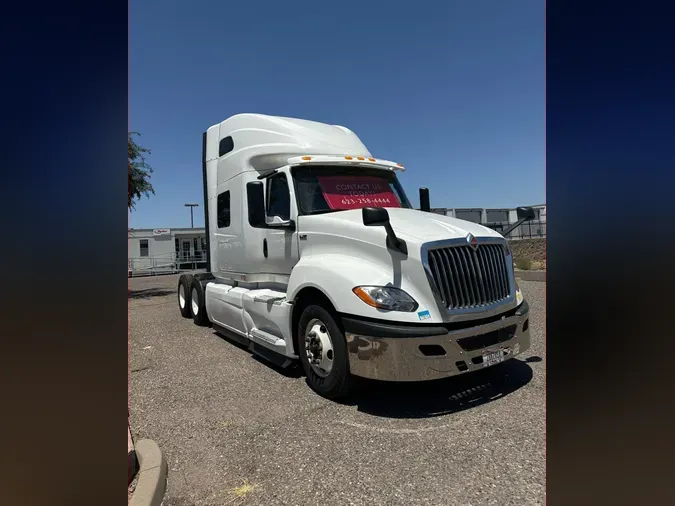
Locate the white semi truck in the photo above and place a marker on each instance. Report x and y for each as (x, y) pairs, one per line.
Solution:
(315, 254)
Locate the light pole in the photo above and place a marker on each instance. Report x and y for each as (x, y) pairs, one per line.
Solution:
(192, 221)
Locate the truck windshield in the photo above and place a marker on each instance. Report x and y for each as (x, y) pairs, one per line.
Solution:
(326, 189)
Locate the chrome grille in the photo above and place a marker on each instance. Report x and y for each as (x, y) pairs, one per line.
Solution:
(467, 277)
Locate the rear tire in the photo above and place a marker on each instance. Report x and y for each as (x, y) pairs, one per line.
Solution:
(329, 377)
(184, 284)
(198, 304)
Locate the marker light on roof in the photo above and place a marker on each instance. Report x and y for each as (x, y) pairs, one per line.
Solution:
(348, 158)
(400, 165)
(360, 158)
(306, 157)
(371, 159)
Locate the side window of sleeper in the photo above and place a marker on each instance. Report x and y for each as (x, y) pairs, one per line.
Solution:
(224, 209)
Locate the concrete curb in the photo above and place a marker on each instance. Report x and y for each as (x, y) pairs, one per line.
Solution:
(152, 473)
(531, 275)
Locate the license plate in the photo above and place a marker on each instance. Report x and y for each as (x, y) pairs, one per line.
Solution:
(492, 358)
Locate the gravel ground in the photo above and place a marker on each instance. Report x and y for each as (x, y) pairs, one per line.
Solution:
(238, 431)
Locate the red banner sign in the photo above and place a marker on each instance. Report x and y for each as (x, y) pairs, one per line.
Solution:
(357, 192)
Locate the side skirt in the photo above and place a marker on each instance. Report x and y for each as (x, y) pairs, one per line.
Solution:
(270, 355)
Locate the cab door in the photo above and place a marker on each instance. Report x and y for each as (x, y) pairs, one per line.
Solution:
(281, 248)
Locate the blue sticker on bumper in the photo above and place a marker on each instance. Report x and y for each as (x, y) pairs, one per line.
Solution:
(424, 315)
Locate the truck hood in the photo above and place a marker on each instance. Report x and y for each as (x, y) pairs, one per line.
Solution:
(416, 224)
(338, 252)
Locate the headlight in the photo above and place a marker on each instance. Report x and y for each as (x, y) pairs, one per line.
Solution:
(386, 297)
(519, 296)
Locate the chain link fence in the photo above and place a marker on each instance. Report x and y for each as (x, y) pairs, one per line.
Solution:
(534, 229)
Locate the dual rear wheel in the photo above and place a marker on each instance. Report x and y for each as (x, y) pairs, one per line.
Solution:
(192, 300)
(184, 285)
(321, 344)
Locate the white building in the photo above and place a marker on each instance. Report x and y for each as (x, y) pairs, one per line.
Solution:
(499, 219)
(162, 250)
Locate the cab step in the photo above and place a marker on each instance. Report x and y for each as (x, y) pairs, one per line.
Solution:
(269, 296)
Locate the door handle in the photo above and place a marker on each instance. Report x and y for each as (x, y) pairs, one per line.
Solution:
(265, 247)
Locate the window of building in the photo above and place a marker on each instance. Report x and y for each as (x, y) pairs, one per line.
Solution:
(145, 248)
(278, 197)
(224, 209)
(497, 215)
(177, 245)
(473, 215)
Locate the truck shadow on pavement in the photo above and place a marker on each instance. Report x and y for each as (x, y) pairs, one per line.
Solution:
(292, 371)
(148, 293)
(425, 399)
(440, 397)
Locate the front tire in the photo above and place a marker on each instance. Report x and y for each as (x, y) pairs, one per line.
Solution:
(184, 284)
(198, 304)
(323, 352)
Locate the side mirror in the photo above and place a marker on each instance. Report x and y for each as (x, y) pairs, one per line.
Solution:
(425, 204)
(379, 217)
(525, 213)
(375, 216)
(255, 194)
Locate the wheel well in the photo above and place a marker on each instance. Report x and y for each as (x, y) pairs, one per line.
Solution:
(305, 297)
(204, 277)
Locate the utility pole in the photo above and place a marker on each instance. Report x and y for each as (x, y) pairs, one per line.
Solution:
(192, 221)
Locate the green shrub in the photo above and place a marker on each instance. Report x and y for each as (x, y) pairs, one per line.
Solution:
(524, 264)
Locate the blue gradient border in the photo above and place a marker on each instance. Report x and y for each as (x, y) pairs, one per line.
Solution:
(64, 298)
(610, 252)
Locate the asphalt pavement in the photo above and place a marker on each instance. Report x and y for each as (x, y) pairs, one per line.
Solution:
(235, 430)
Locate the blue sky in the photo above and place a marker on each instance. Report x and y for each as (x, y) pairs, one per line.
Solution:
(455, 92)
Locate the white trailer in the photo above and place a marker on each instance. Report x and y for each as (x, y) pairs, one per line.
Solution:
(316, 255)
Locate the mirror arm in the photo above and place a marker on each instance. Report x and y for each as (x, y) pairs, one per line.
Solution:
(514, 226)
(394, 242)
(290, 224)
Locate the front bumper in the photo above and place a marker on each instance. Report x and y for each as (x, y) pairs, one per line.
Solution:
(442, 352)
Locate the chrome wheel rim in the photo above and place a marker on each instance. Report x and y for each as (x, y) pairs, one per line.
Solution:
(195, 305)
(181, 296)
(319, 348)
